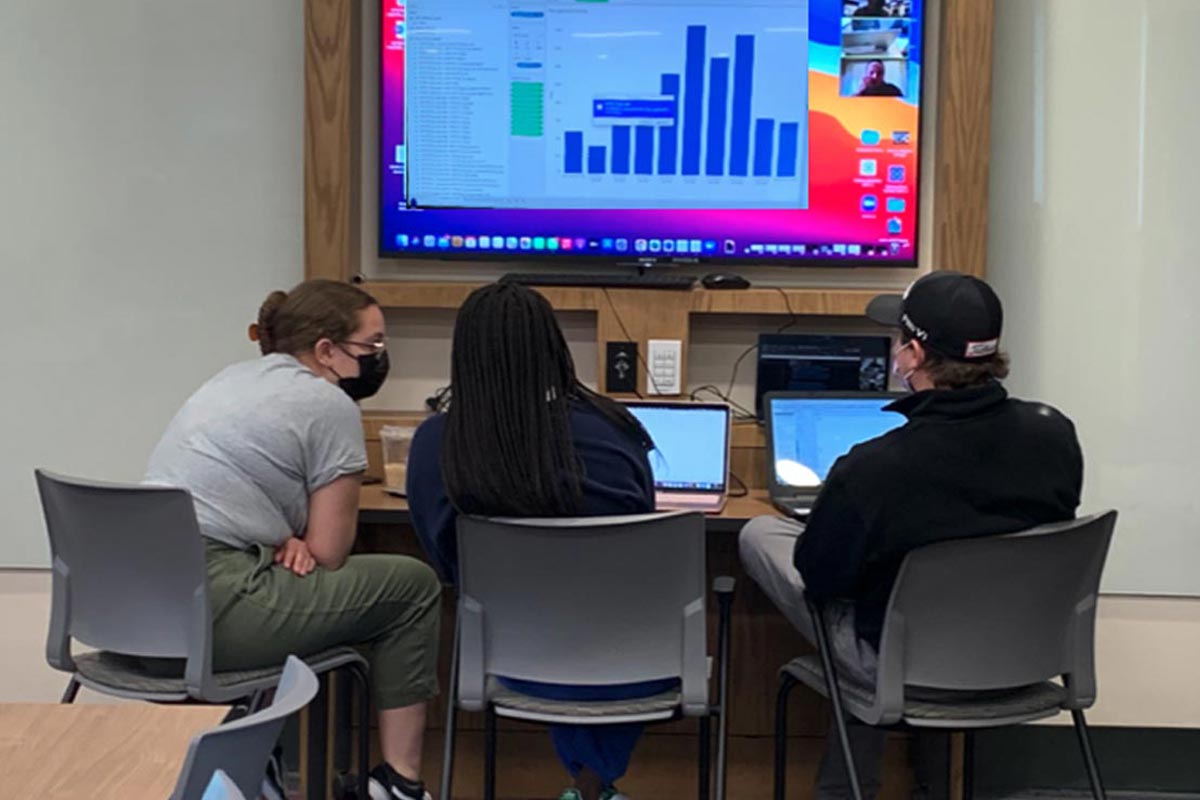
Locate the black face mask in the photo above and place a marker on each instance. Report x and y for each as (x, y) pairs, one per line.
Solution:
(372, 371)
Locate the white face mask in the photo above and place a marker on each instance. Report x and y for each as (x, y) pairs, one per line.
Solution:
(904, 378)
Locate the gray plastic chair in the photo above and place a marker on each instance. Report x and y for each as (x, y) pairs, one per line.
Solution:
(531, 608)
(241, 748)
(129, 579)
(977, 630)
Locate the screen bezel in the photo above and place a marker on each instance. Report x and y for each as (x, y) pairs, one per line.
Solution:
(683, 404)
(576, 259)
(777, 489)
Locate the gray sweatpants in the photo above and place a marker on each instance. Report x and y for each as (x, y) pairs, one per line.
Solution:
(766, 545)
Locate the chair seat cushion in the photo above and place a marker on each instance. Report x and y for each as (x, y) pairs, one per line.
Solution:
(162, 678)
(923, 704)
(504, 697)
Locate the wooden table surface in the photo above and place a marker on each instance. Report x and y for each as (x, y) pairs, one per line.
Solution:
(123, 751)
(377, 506)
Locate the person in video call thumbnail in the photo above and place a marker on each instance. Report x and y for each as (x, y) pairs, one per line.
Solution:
(874, 85)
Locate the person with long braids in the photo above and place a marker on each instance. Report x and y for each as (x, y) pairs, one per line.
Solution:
(272, 452)
(524, 438)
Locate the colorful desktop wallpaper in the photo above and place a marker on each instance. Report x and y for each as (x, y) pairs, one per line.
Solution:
(852, 165)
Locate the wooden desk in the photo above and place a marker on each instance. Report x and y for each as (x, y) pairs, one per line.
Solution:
(126, 751)
(377, 507)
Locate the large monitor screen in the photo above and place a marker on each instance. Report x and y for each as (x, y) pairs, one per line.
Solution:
(764, 131)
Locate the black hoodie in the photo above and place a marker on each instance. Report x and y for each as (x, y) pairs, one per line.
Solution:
(969, 462)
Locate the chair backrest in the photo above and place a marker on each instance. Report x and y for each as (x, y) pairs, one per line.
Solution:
(128, 571)
(999, 611)
(241, 748)
(588, 601)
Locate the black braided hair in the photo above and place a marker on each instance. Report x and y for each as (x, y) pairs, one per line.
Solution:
(507, 448)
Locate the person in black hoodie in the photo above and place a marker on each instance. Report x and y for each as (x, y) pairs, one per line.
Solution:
(970, 461)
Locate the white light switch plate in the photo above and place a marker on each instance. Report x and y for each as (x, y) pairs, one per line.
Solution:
(665, 360)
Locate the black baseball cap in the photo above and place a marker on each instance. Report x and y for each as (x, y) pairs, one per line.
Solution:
(955, 315)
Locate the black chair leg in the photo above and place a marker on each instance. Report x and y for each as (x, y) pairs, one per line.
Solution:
(786, 683)
(835, 699)
(1089, 757)
(968, 775)
(72, 690)
(704, 777)
(489, 756)
(343, 721)
(362, 688)
(451, 728)
(317, 778)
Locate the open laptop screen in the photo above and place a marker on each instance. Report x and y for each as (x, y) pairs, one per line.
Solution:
(801, 362)
(690, 445)
(809, 433)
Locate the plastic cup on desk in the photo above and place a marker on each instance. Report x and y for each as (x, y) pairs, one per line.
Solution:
(396, 440)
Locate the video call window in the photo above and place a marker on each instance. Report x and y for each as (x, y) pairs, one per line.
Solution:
(874, 77)
(875, 41)
(877, 8)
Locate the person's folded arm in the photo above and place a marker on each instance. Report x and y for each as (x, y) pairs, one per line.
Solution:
(333, 520)
(831, 552)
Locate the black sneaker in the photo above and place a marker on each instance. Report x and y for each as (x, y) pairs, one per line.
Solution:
(387, 784)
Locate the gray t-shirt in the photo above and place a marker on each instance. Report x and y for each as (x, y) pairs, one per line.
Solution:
(253, 443)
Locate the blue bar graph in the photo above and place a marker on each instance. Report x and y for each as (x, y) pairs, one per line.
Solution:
(718, 105)
(643, 153)
(743, 88)
(701, 121)
(693, 99)
(764, 140)
(574, 155)
(789, 144)
(596, 159)
(620, 150)
(668, 137)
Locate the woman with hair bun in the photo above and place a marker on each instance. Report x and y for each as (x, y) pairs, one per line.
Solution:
(272, 452)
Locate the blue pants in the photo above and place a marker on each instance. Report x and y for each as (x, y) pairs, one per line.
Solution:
(604, 749)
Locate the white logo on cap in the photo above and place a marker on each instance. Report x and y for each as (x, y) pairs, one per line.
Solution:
(980, 349)
(913, 328)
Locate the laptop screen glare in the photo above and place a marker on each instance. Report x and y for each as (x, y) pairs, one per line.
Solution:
(811, 433)
(689, 446)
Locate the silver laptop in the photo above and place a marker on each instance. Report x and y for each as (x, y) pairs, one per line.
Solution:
(808, 431)
(690, 459)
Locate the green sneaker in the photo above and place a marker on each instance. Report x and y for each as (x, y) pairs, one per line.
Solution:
(570, 794)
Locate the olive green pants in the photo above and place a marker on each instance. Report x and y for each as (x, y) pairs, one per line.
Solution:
(387, 606)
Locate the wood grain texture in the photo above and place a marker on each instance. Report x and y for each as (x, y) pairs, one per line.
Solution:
(960, 201)
(639, 315)
(126, 751)
(374, 498)
(802, 302)
(331, 151)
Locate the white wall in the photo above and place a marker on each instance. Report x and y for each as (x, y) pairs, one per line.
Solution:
(1090, 246)
(151, 164)
(1093, 247)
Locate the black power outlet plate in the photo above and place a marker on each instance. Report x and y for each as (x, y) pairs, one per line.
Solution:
(620, 368)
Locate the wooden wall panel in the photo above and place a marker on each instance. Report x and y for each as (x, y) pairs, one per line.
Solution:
(960, 200)
(640, 315)
(331, 152)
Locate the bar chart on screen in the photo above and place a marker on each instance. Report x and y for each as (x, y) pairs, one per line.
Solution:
(667, 98)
